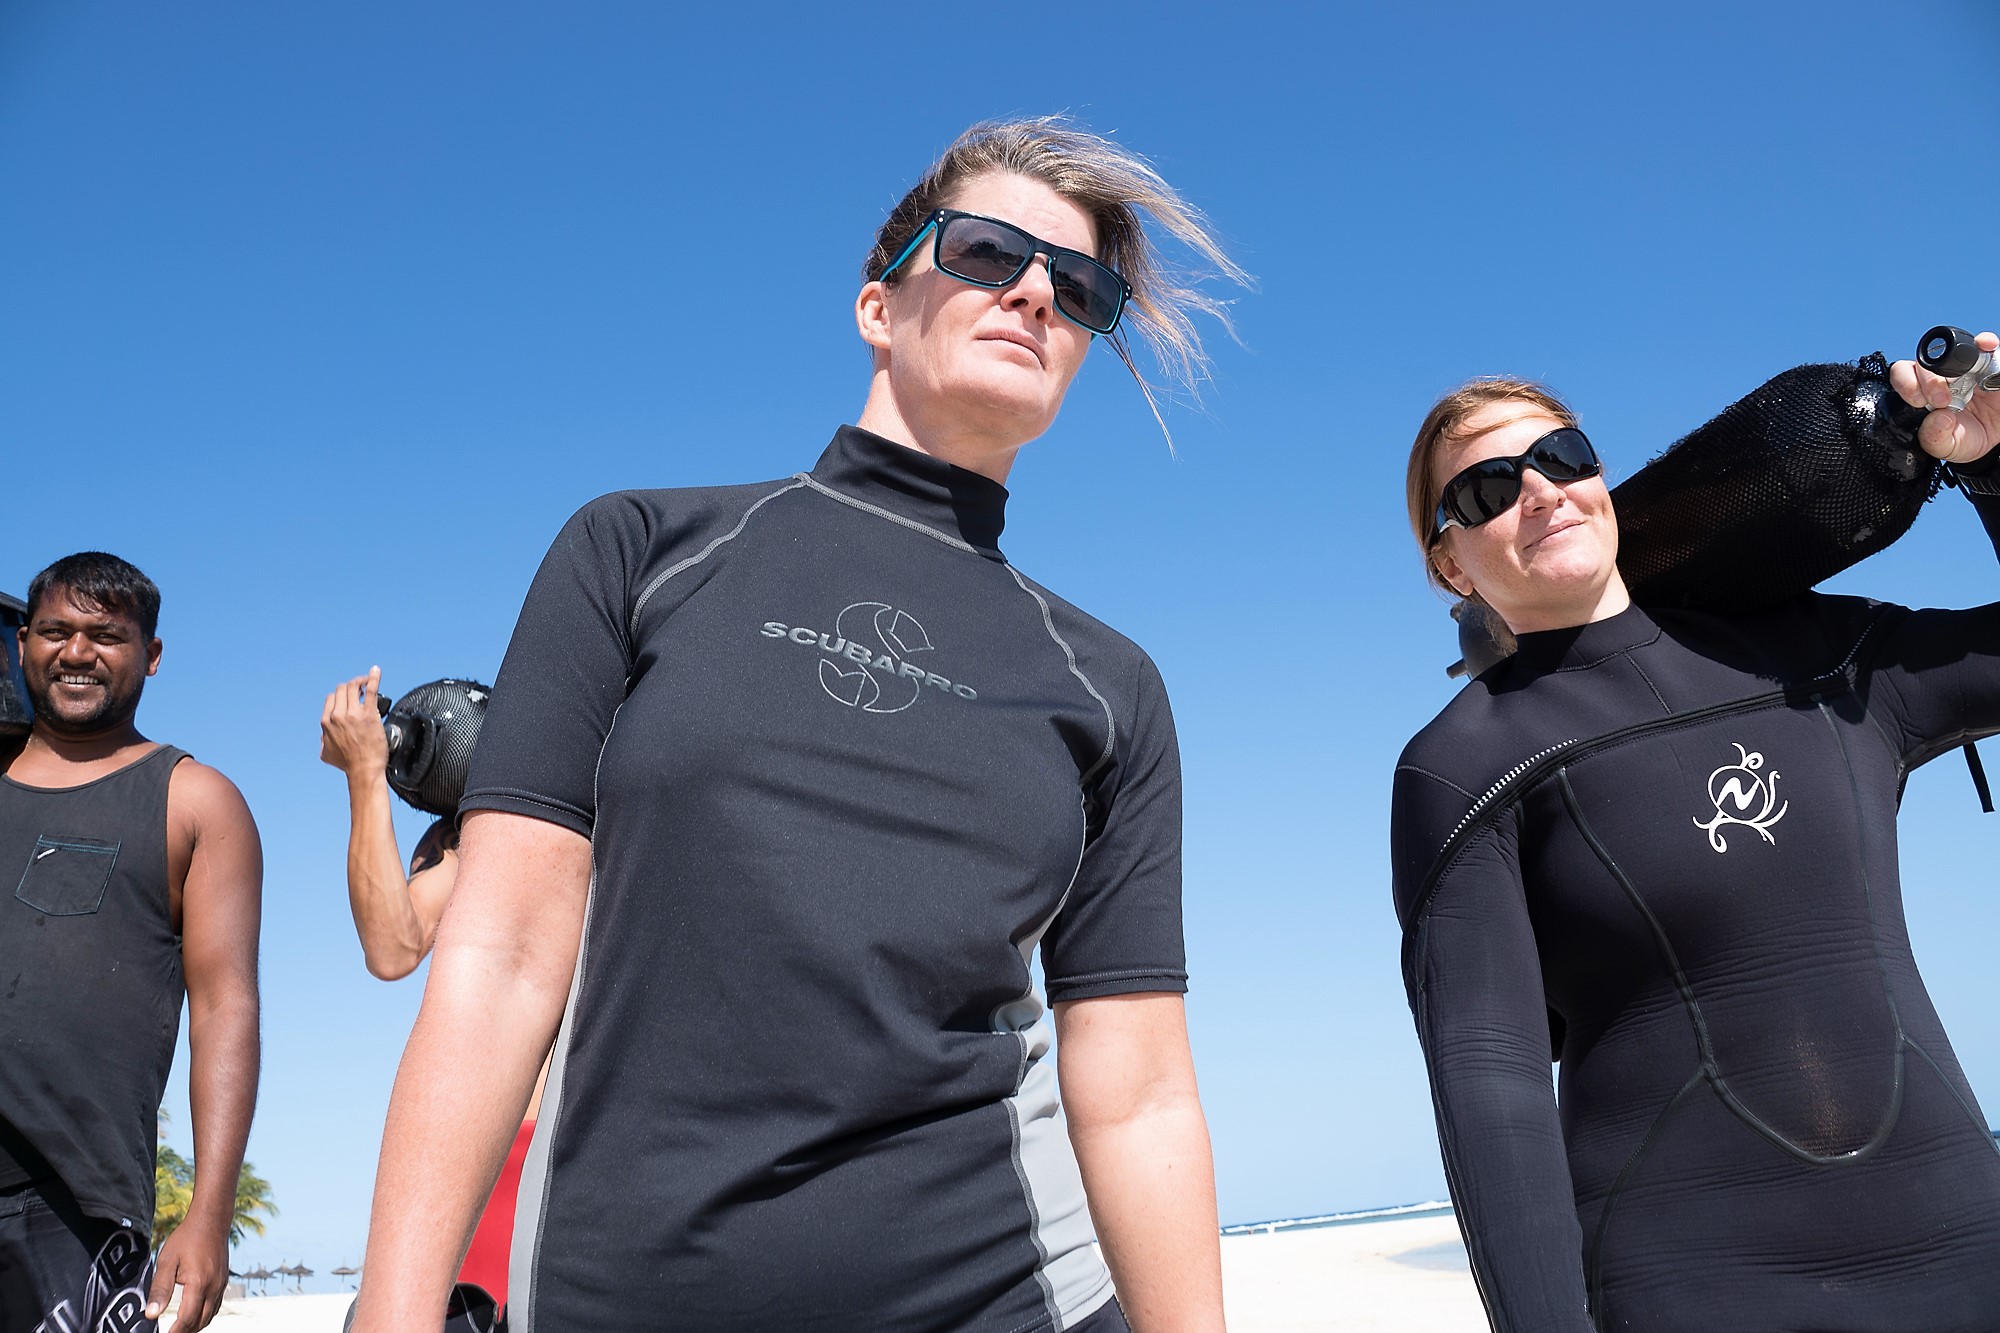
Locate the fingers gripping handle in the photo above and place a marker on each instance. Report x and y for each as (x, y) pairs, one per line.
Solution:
(1951, 353)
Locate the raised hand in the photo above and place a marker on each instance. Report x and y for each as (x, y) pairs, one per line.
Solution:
(1956, 437)
(350, 728)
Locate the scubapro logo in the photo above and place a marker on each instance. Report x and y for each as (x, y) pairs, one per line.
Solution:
(1743, 794)
(868, 662)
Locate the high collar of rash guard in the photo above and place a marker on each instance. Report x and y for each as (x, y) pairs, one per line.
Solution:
(1586, 645)
(863, 466)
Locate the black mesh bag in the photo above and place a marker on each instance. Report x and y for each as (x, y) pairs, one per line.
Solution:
(1812, 472)
(16, 717)
(432, 730)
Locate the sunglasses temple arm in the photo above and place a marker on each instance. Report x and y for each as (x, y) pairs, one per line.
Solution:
(909, 249)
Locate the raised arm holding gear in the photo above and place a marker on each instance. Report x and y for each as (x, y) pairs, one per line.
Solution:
(395, 911)
(420, 747)
(1660, 842)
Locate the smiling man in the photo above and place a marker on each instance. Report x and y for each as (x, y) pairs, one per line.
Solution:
(139, 879)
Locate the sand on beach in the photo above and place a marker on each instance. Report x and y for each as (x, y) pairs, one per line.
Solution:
(313, 1312)
(1407, 1275)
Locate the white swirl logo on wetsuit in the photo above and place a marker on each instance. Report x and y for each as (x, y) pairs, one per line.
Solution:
(868, 665)
(1742, 795)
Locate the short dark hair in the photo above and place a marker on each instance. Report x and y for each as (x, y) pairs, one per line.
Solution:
(103, 580)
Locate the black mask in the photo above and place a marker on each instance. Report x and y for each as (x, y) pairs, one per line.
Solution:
(432, 730)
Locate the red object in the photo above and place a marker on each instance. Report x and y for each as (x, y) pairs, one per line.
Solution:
(493, 1239)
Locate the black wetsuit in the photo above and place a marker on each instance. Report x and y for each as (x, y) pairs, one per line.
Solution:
(1668, 842)
(844, 770)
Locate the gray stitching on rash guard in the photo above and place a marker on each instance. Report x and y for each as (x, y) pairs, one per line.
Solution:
(632, 626)
(913, 526)
(1034, 1213)
(1069, 655)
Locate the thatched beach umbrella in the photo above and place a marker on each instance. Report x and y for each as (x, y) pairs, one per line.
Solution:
(301, 1273)
(259, 1275)
(345, 1272)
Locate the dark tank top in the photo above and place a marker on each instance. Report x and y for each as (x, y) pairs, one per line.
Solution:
(90, 984)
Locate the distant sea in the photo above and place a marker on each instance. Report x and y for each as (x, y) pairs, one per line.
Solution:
(1435, 1208)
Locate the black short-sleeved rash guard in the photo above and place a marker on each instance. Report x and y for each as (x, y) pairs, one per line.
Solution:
(843, 769)
(1670, 840)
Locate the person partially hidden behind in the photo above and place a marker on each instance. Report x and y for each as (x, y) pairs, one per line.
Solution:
(138, 879)
(396, 914)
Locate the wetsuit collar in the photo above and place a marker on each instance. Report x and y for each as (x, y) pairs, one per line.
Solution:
(914, 486)
(1586, 645)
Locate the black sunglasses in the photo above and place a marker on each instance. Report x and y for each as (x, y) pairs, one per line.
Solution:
(1490, 487)
(987, 252)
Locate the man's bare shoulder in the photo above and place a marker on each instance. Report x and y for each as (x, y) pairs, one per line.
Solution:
(200, 797)
(197, 782)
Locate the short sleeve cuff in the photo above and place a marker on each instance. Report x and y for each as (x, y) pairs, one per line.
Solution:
(529, 804)
(1097, 984)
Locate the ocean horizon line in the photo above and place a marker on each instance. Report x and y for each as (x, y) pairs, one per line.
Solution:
(1431, 1208)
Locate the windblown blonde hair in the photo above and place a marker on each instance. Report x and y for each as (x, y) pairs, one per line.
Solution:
(1119, 190)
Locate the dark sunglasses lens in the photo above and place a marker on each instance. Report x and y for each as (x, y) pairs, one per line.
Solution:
(982, 251)
(1087, 292)
(1564, 455)
(1483, 491)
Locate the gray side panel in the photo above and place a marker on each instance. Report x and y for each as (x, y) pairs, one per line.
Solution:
(1073, 1278)
(531, 1204)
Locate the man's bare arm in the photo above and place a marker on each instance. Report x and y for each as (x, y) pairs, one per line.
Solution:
(221, 907)
(395, 916)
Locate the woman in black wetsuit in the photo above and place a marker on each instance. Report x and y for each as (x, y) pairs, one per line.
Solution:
(1666, 843)
(784, 787)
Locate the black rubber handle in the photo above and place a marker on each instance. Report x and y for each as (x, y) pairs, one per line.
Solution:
(1947, 351)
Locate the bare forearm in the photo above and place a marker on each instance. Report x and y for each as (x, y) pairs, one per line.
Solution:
(222, 1094)
(393, 939)
(1142, 1144)
(470, 1064)
(1150, 1180)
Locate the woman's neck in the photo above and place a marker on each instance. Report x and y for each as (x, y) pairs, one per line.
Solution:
(1611, 599)
(947, 440)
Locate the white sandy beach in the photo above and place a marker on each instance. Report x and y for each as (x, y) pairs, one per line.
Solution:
(1406, 1275)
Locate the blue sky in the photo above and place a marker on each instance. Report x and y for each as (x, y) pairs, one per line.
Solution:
(328, 316)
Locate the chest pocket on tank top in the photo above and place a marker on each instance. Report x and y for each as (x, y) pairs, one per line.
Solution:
(67, 876)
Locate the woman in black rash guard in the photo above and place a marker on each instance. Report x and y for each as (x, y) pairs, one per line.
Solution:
(1666, 841)
(783, 787)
